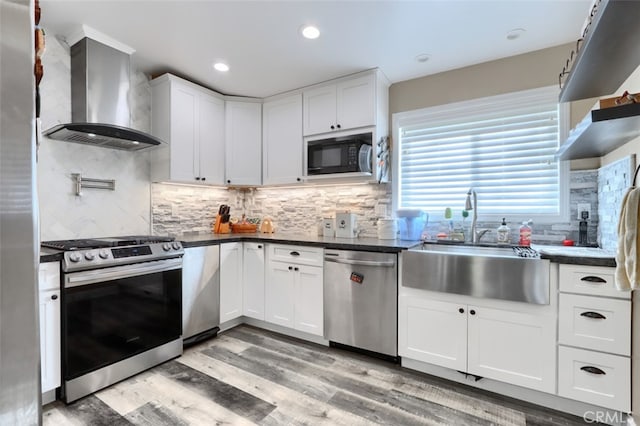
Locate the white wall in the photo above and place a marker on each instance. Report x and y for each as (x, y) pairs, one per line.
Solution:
(96, 213)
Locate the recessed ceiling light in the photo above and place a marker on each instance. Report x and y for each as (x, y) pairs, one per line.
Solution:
(423, 57)
(310, 32)
(515, 33)
(221, 66)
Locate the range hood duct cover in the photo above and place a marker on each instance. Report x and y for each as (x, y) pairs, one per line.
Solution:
(100, 111)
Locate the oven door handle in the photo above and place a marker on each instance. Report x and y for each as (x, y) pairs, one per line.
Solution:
(76, 279)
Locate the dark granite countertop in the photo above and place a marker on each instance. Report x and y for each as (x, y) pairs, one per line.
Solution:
(589, 256)
(50, 255)
(365, 244)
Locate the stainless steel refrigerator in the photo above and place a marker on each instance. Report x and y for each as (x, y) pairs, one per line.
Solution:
(19, 246)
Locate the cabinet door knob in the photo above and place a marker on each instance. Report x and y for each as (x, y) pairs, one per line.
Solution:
(472, 312)
(54, 297)
(461, 310)
(296, 269)
(259, 246)
(197, 178)
(338, 126)
(333, 127)
(290, 268)
(204, 178)
(298, 179)
(228, 180)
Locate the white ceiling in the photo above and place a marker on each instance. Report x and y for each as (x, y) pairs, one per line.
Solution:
(260, 40)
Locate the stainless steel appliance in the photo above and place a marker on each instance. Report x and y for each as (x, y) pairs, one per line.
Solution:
(348, 155)
(200, 293)
(360, 300)
(100, 108)
(121, 309)
(19, 344)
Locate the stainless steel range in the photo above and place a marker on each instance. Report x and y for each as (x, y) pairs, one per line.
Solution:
(121, 309)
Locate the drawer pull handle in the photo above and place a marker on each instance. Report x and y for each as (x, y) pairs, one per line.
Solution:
(594, 315)
(294, 253)
(592, 370)
(594, 279)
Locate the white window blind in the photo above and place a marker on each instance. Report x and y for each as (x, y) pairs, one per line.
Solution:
(503, 147)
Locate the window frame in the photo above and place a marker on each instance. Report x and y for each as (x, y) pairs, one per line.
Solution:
(489, 103)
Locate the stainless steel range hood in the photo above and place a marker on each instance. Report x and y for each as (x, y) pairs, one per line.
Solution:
(100, 111)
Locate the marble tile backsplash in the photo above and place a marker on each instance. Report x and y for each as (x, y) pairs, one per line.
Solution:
(96, 213)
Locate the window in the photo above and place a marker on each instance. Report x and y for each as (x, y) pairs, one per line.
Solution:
(502, 146)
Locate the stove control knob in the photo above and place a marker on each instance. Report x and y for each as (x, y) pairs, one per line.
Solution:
(166, 247)
(89, 255)
(103, 254)
(176, 246)
(75, 257)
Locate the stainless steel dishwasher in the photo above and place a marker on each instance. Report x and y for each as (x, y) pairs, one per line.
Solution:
(200, 293)
(361, 300)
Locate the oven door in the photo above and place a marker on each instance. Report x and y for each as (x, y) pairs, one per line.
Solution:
(111, 314)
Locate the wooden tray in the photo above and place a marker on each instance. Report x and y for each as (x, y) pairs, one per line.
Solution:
(243, 228)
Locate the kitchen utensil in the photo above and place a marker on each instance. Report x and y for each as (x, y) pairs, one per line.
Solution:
(346, 225)
(267, 226)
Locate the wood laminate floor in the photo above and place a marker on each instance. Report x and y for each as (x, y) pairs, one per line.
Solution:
(252, 376)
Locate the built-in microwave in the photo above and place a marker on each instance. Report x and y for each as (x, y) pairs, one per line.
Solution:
(342, 154)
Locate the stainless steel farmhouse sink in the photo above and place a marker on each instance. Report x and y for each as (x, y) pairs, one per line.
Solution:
(495, 272)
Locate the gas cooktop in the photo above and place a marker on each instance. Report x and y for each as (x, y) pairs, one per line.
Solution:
(95, 243)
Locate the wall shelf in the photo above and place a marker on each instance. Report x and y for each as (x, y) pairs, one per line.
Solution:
(609, 52)
(602, 131)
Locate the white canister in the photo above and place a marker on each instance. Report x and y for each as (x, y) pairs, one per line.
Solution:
(327, 227)
(387, 229)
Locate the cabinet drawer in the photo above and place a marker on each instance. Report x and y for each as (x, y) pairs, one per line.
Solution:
(595, 323)
(592, 280)
(300, 255)
(595, 378)
(49, 276)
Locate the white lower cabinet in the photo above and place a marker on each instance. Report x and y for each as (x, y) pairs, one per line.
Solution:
(594, 377)
(253, 278)
(513, 347)
(49, 305)
(496, 343)
(231, 265)
(294, 288)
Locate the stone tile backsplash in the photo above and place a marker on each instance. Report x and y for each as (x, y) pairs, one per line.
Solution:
(613, 181)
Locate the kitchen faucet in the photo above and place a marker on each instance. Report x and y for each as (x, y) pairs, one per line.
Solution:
(469, 205)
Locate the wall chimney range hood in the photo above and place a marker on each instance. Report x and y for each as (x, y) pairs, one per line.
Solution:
(100, 111)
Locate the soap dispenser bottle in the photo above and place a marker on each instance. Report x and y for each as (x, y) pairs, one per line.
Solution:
(503, 233)
(525, 234)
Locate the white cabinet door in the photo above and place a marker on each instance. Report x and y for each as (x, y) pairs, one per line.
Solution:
(280, 294)
(309, 299)
(184, 133)
(513, 347)
(319, 110)
(356, 102)
(253, 266)
(211, 136)
(433, 331)
(282, 140)
(230, 281)
(243, 143)
(49, 310)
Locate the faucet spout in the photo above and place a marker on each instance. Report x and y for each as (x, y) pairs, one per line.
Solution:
(472, 204)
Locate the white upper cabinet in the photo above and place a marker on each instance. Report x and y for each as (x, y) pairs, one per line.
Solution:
(347, 103)
(282, 140)
(190, 119)
(243, 143)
